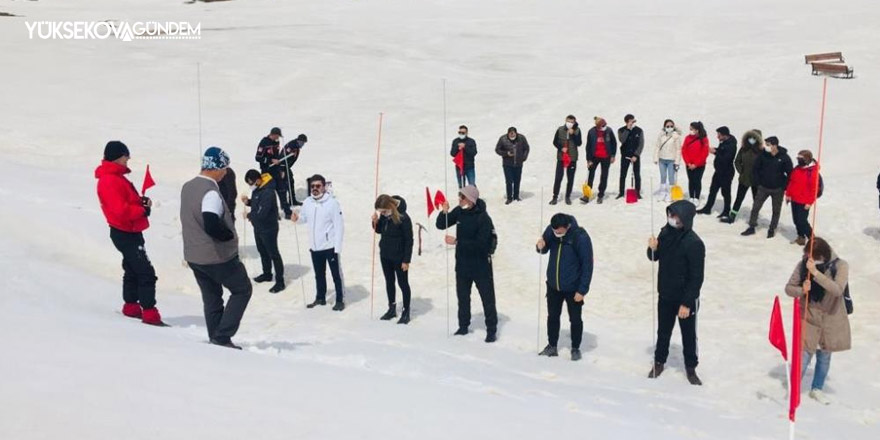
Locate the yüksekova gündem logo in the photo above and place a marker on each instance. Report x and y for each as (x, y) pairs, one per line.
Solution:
(122, 30)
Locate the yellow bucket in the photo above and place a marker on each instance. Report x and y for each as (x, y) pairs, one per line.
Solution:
(676, 193)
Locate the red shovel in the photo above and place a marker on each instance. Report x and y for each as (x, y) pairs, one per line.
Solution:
(632, 196)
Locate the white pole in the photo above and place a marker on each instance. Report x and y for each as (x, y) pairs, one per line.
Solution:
(540, 233)
(790, 430)
(653, 279)
(199, 87)
(446, 190)
(302, 278)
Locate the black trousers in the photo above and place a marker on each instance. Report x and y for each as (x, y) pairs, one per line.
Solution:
(391, 270)
(801, 217)
(320, 261)
(282, 189)
(486, 287)
(603, 180)
(569, 183)
(139, 278)
(695, 181)
(223, 320)
(667, 313)
(512, 178)
(624, 167)
(555, 299)
(720, 182)
(777, 196)
(741, 191)
(267, 246)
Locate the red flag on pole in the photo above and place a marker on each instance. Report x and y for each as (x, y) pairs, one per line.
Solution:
(777, 331)
(566, 160)
(796, 351)
(148, 181)
(439, 199)
(458, 160)
(428, 200)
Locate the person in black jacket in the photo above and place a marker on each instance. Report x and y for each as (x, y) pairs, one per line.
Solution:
(566, 140)
(474, 243)
(269, 155)
(569, 274)
(724, 171)
(395, 250)
(601, 151)
(632, 142)
(468, 174)
(290, 154)
(264, 218)
(682, 257)
(772, 170)
(514, 151)
(228, 191)
(878, 183)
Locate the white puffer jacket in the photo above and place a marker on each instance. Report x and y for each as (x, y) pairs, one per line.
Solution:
(324, 217)
(668, 147)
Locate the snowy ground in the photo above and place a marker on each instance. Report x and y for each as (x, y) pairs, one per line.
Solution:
(73, 365)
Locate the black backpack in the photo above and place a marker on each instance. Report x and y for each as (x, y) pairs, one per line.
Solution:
(847, 299)
(821, 186)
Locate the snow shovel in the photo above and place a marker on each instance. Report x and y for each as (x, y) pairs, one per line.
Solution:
(632, 196)
(588, 193)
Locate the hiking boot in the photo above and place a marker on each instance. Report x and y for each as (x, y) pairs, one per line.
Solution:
(279, 286)
(575, 354)
(339, 306)
(549, 351)
(771, 233)
(317, 302)
(391, 313)
(656, 370)
(461, 331)
(491, 336)
(132, 310)
(404, 317)
(749, 231)
(266, 277)
(800, 241)
(692, 377)
(553, 200)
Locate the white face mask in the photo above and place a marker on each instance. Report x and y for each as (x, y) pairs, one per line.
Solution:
(818, 262)
(569, 125)
(672, 221)
(602, 128)
(253, 187)
(752, 141)
(768, 148)
(558, 235)
(693, 132)
(511, 138)
(668, 129)
(462, 136)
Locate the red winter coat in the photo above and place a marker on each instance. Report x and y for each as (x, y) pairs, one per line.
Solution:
(802, 184)
(119, 199)
(695, 151)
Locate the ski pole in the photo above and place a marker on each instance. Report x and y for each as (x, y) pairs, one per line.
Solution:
(540, 233)
(375, 196)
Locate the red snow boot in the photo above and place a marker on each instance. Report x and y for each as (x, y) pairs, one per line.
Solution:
(152, 317)
(132, 310)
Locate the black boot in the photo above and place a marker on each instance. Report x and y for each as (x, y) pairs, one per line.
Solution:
(279, 286)
(553, 200)
(339, 306)
(749, 231)
(227, 344)
(656, 370)
(391, 313)
(730, 218)
(317, 302)
(568, 200)
(404, 317)
(771, 233)
(705, 210)
(266, 277)
(575, 354)
(461, 331)
(491, 335)
(692, 377)
(549, 351)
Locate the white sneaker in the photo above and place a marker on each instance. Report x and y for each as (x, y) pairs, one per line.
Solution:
(819, 396)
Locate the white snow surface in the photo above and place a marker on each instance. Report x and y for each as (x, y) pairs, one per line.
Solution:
(72, 366)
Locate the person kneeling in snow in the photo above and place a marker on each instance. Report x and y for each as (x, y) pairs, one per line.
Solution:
(568, 278)
(210, 248)
(682, 257)
(126, 213)
(264, 218)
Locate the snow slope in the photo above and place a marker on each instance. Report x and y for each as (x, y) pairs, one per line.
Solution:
(73, 365)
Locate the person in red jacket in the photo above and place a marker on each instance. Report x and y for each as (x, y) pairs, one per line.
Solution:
(801, 192)
(127, 213)
(694, 151)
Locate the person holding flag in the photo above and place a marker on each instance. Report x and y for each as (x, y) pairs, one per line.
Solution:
(567, 140)
(463, 152)
(822, 278)
(127, 215)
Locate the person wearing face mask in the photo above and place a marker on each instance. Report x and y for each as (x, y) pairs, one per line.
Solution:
(269, 155)
(724, 171)
(567, 141)
(667, 154)
(750, 149)
(801, 192)
(395, 251)
(468, 148)
(601, 151)
(514, 151)
(474, 243)
(210, 248)
(823, 277)
(323, 215)
(695, 151)
(569, 273)
(772, 170)
(632, 142)
(264, 218)
(682, 257)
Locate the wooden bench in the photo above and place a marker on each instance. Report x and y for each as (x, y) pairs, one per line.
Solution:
(831, 56)
(834, 69)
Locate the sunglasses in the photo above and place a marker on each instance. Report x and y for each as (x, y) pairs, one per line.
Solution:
(316, 186)
(670, 126)
(462, 132)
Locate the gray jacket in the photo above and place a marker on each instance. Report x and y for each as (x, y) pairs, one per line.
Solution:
(198, 246)
(513, 153)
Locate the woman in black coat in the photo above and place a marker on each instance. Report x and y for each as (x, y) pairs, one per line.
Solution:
(395, 250)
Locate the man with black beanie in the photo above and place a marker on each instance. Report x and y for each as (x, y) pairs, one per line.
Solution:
(724, 171)
(632, 142)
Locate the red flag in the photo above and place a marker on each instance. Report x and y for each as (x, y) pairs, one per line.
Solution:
(458, 160)
(566, 160)
(796, 351)
(428, 200)
(439, 199)
(148, 181)
(777, 331)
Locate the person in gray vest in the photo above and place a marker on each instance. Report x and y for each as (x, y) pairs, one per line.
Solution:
(210, 248)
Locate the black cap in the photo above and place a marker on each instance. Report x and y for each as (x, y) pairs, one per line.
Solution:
(275, 130)
(723, 130)
(772, 140)
(302, 138)
(628, 118)
(114, 150)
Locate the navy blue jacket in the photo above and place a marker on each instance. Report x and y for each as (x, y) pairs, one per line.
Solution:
(264, 207)
(571, 259)
(592, 140)
(470, 151)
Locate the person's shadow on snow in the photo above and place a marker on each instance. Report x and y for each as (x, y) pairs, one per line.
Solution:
(873, 232)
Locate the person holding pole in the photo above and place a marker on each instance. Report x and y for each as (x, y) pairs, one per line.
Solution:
(323, 215)
(395, 251)
(567, 140)
(269, 156)
(465, 172)
(474, 244)
(514, 151)
(682, 258)
(264, 218)
(291, 153)
(823, 278)
(569, 273)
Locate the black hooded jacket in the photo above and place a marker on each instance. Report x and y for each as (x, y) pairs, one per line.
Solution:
(474, 238)
(396, 244)
(682, 257)
(724, 156)
(264, 206)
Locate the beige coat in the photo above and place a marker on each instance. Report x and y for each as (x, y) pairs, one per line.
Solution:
(827, 322)
(668, 147)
